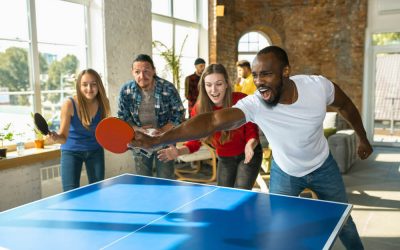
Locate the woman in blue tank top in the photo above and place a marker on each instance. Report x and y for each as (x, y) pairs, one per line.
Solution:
(79, 118)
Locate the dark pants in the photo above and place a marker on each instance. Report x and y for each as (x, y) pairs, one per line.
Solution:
(232, 172)
(144, 166)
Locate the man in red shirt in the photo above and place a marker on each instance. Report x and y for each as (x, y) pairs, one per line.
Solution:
(191, 89)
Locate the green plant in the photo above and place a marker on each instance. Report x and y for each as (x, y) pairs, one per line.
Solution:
(6, 134)
(172, 59)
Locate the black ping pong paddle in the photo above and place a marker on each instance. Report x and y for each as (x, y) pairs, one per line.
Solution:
(41, 124)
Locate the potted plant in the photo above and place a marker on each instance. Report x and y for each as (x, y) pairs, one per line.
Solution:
(5, 134)
(39, 140)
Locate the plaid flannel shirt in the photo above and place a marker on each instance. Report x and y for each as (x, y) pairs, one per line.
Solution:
(168, 105)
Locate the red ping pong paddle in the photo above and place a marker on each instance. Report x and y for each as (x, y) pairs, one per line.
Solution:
(41, 124)
(114, 134)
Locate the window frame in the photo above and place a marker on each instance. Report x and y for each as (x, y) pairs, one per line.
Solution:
(198, 24)
(32, 45)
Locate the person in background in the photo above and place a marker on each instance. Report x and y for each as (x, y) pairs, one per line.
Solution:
(80, 115)
(245, 82)
(239, 152)
(191, 82)
(152, 105)
(290, 111)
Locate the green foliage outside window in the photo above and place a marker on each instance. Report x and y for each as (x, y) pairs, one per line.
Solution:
(14, 74)
(388, 38)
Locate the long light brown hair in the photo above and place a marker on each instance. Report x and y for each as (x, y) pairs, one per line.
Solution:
(101, 97)
(204, 103)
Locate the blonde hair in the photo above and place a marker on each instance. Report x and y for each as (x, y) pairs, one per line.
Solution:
(101, 97)
(204, 104)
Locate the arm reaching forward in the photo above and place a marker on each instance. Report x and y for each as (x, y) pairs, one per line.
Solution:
(197, 127)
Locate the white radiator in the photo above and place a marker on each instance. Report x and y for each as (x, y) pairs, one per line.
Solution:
(50, 178)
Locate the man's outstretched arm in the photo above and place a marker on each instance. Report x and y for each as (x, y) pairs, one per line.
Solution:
(197, 127)
(348, 110)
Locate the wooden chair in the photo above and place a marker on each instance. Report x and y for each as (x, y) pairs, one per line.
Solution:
(263, 178)
(309, 193)
(205, 153)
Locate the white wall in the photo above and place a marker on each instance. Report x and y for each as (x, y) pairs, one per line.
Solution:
(127, 32)
(22, 184)
(383, 15)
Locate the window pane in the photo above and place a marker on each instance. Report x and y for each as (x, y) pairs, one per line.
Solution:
(14, 70)
(243, 47)
(18, 112)
(14, 20)
(244, 38)
(161, 7)
(57, 78)
(190, 47)
(62, 63)
(161, 67)
(253, 46)
(253, 37)
(262, 42)
(162, 32)
(185, 9)
(60, 22)
(389, 38)
(252, 42)
(187, 68)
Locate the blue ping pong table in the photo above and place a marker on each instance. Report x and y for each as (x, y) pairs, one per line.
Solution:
(136, 212)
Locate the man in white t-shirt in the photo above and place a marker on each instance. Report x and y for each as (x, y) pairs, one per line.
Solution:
(290, 112)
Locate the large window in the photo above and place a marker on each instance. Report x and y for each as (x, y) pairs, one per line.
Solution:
(250, 43)
(177, 25)
(43, 44)
(386, 115)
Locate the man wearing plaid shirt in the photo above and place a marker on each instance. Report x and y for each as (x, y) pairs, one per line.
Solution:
(153, 105)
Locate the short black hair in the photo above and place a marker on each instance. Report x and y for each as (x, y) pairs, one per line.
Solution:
(199, 61)
(278, 52)
(243, 63)
(143, 58)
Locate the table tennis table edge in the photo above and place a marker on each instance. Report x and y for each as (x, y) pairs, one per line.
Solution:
(335, 233)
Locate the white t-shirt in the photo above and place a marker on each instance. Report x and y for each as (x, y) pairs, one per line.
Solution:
(294, 131)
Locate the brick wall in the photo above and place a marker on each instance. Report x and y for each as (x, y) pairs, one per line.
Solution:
(321, 37)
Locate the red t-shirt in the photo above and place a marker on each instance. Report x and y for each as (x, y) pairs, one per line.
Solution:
(239, 137)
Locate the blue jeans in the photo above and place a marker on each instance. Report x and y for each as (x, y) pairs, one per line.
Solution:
(327, 183)
(144, 166)
(71, 167)
(232, 172)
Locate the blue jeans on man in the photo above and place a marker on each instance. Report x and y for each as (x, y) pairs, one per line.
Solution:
(71, 167)
(327, 183)
(144, 166)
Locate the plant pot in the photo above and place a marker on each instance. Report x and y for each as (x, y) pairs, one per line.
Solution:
(39, 143)
(3, 152)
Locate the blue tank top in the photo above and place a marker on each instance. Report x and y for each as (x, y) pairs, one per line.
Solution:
(79, 138)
